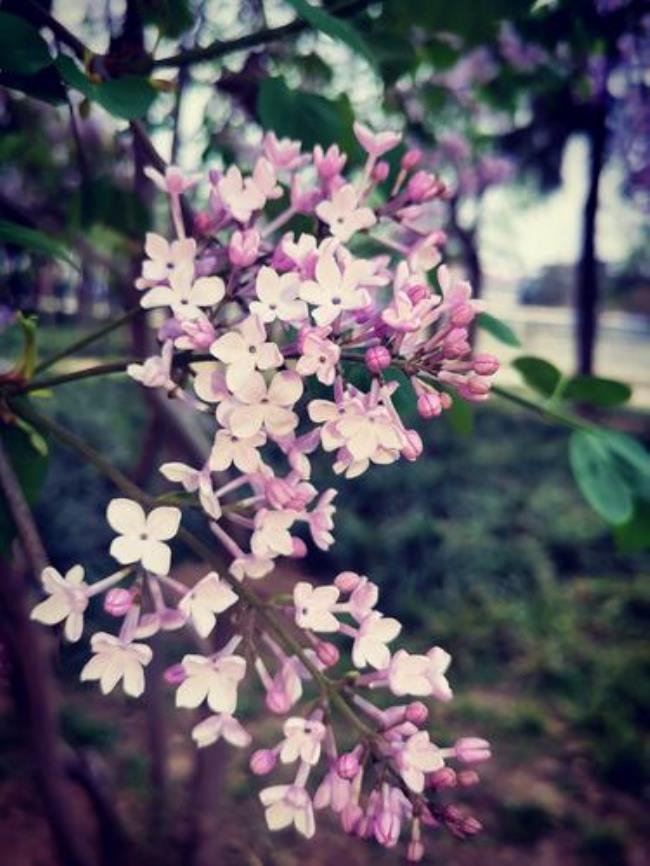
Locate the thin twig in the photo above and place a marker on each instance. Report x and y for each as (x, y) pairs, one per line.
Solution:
(219, 49)
(22, 516)
(75, 347)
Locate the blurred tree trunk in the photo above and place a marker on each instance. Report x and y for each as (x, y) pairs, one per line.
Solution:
(587, 276)
(32, 681)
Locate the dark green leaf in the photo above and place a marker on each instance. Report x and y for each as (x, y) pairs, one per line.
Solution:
(36, 241)
(128, 97)
(30, 468)
(498, 329)
(596, 390)
(540, 375)
(44, 85)
(336, 28)
(635, 534)
(22, 49)
(304, 116)
(172, 17)
(598, 477)
(460, 416)
(631, 458)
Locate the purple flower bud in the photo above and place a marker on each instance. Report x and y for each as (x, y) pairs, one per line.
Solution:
(298, 548)
(486, 365)
(380, 172)
(377, 359)
(467, 778)
(471, 826)
(415, 851)
(347, 766)
(118, 601)
(429, 405)
(443, 778)
(203, 223)
(472, 750)
(350, 817)
(278, 701)
(263, 761)
(417, 293)
(386, 828)
(175, 675)
(413, 446)
(347, 581)
(327, 653)
(417, 713)
(411, 158)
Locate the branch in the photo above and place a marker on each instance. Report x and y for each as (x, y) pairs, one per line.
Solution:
(88, 340)
(21, 515)
(42, 16)
(219, 49)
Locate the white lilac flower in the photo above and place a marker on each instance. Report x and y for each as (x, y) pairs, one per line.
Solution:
(165, 257)
(333, 290)
(142, 536)
(205, 600)
(115, 660)
(211, 679)
(370, 643)
(319, 357)
(333, 791)
(271, 536)
(67, 600)
(418, 756)
(286, 805)
(314, 607)
(224, 726)
(245, 350)
(303, 738)
(277, 297)
(420, 675)
(241, 196)
(366, 434)
(268, 407)
(376, 144)
(229, 449)
(344, 215)
(185, 295)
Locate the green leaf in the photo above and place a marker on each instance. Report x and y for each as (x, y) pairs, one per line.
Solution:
(631, 457)
(596, 390)
(128, 97)
(30, 468)
(538, 374)
(460, 416)
(598, 477)
(22, 49)
(27, 360)
(498, 329)
(304, 116)
(336, 28)
(34, 240)
(635, 534)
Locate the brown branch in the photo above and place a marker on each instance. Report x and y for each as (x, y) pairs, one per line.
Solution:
(21, 515)
(219, 49)
(42, 17)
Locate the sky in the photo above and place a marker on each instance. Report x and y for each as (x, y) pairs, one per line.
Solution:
(520, 240)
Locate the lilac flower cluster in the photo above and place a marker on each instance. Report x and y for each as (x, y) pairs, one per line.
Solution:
(258, 328)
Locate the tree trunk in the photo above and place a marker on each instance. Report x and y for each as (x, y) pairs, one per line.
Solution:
(587, 278)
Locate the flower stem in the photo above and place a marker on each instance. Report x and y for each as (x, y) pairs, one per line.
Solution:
(88, 340)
